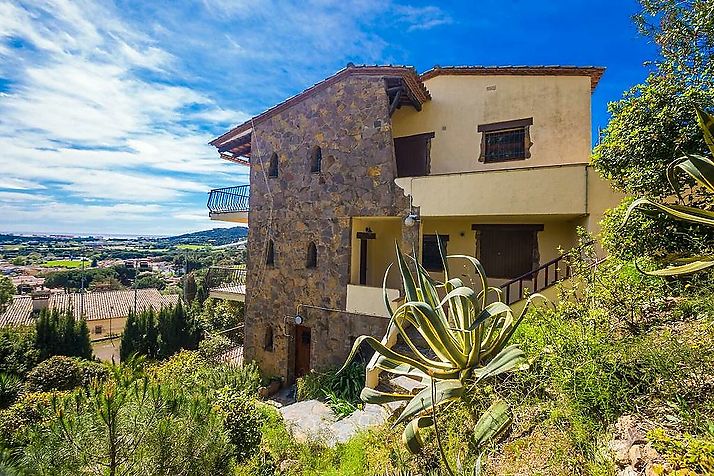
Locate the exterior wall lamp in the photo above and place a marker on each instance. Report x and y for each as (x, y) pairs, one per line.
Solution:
(411, 219)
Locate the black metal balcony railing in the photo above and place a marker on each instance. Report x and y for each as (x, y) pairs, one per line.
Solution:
(225, 277)
(228, 200)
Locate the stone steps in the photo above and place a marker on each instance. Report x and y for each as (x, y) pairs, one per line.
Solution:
(314, 421)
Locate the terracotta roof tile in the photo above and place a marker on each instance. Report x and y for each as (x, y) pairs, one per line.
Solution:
(97, 305)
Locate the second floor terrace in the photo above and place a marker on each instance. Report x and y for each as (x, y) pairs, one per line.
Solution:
(229, 204)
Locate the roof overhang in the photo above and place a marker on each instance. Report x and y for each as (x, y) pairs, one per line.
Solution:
(403, 85)
(594, 72)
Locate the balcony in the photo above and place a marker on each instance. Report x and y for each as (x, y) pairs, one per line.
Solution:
(226, 282)
(369, 300)
(229, 204)
(556, 191)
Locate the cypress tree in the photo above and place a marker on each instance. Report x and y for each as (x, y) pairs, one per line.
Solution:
(189, 288)
(130, 337)
(151, 334)
(84, 347)
(59, 333)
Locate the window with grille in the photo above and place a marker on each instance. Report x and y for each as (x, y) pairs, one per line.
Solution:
(504, 141)
(430, 255)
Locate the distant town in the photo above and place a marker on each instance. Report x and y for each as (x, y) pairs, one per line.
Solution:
(111, 263)
(103, 278)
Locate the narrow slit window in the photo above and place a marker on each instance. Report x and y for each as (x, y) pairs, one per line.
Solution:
(268, 340)
(316, 160)
(270, 254)
(311, 255)
(273, 168)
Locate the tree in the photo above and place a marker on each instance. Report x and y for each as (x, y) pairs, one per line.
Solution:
(7, 290)
(159, 335)
(654, 123)
(59, 333)
(18, 352)
(189, 288)
(151, 280)
(129, 426)
(130, 338)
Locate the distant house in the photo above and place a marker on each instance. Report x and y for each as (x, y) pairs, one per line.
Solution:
(105, 312)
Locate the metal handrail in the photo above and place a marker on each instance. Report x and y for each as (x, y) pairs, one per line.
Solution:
(550, 278)
(222, 277)
(229, 199)
(552, 274)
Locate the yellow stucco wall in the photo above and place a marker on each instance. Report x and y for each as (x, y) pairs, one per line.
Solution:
(369, 300)
(559, 106)
(462, 240)
(555, 190)
(117, 327)
(380, 251)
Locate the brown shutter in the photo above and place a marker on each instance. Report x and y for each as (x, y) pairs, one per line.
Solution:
(412, 154)
(507, 252)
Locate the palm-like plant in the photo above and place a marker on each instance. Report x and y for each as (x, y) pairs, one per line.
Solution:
(701, 169)
(467, 335)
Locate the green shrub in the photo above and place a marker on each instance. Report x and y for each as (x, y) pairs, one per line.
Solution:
(18, 353)
(242, 421)
(64, 373)
(30, 409)
(345, 386)
(10, 387)
(610, 293)
(190, 370)
(129, 426)
(685, 452)
(213, 347)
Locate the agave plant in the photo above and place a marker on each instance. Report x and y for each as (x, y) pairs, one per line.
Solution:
(701, 169)
(467, 337)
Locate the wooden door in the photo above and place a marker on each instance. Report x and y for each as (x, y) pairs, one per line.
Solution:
(302, 351)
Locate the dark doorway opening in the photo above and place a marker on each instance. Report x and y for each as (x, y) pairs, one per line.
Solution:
(302, 351)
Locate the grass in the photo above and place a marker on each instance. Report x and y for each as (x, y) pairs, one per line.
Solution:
(192, 247)
(65, 263)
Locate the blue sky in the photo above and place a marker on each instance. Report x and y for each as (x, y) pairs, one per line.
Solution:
(106, 107)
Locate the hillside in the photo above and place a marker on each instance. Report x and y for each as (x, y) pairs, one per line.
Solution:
(215, 236)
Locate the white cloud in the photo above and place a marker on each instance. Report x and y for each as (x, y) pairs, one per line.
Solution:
(108, 110)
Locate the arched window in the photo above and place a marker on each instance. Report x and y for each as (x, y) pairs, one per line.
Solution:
(270, 254)
(311, 256)
(273, 169)
(268, 340)
(316, 160)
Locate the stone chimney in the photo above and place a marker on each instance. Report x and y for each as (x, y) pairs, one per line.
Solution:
(40, 300)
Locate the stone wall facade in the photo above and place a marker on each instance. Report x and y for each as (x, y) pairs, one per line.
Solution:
(350, 122)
